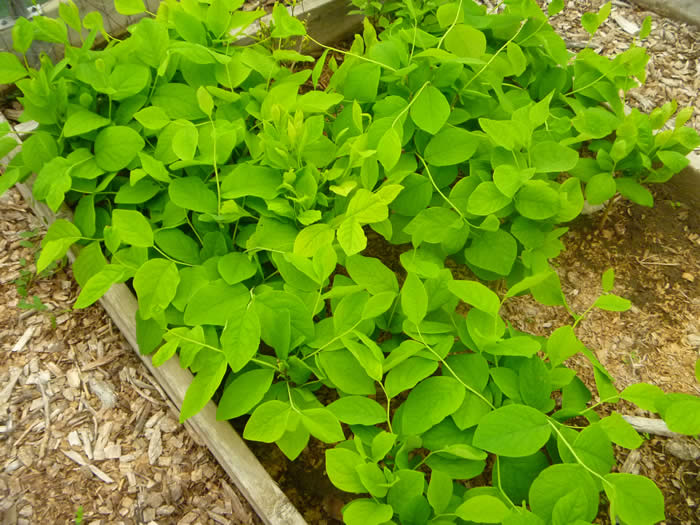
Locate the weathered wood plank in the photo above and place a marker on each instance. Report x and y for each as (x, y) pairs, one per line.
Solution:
(687, 11)
(230, 450)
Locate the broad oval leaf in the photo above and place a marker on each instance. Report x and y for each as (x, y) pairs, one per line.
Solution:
(451, 146)
(116, 147)
(155, 284)
(430, 110)
(513, 431)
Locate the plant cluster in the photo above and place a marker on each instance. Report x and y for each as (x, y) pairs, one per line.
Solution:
(236, 198)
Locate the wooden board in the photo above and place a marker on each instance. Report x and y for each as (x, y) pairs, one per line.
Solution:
(687, 11)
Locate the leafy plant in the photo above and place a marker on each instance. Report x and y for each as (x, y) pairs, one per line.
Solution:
(236, 198)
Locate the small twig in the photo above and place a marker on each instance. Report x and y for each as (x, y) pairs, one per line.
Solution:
(47, 419)
(648, 425)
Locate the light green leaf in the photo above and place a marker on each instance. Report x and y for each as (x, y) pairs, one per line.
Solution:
(191, 193)
(487, 199)
(351, 237)
(242, 394)
(322, 424)
(152, 117)
(155, 284)
(483, 509)
(11, 69)
(537, 200)
(612, 303)
(285, 25)
(241, 337)
(431, 401)
(636, 500)
(83, 122)
(513, 431)
(129, 7)
(358, 410)
(476, 294)
(268, 422)
(116, 147)
(58, 239)
(430, 110)
(451, 146)
(414, 298)
(550, 156)
(215, 302)
(99, 283)
(367, 512)
(341, 466)
(133, 228)
(389, 149)
(556, 482)
(439, 491)
(620, 431)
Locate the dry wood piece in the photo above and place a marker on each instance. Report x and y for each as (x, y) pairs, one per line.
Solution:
(647, 425)
(683, 10)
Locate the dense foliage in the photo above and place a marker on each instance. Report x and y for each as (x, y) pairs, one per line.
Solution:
(237, 199)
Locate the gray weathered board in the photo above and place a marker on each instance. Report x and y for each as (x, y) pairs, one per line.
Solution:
(327, 21)
(687, 11)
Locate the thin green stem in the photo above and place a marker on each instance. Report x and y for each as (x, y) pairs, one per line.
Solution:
(405, 110)
(454, 374)
(452, 25)
(331, 341)
(448, 201)
(573, 453)
(388, 407)
(194, 230)
(500, 49)
(348, 53)
(170, 258)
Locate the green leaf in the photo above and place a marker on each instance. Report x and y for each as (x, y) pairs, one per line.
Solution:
(646, 28)
(242, 394)
(215, 302)
(358, 410)
(634, 191)
(493, 251)
(346, 373)
(563, 344)
(99, 283)
(165, 352)
(246, 180)
(612, 303)
(22, 35)
(513, 431)
(430, 402)
(451, 146)
(240, 338)
(140, 192)
(184, 143)
(635, 499)
(476, 294)
(371, 274)
(205, 101)
(268, 422)
(133, 228)
(285, 25)
(683, 416)
(129, 7)
(89, 261)
(407, 373)
(312, 238)
(235, 267)
(465, 41)
(620, 431)
(191, 193)
(555, 7)
(178, 245)
(608, 280)
(487, 199)
(439, 491)
(600, 188)
(351, 237)
(378, 304)
(556, 482)
(373, 479)
(322, 424)
(155, 284)
(341, 466)
(203, 386)
(414, 299)
(433, 225)
(152, 117)
(366, 512)
(50, 30)
(389, 149)
(11, 69)
(116, 147)
(483, 509)
(382, 443)
(318, 101)
(58, 239)
(362, 82)
(550, 156)
(508, 178)
(430, 110)
(537, 200)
